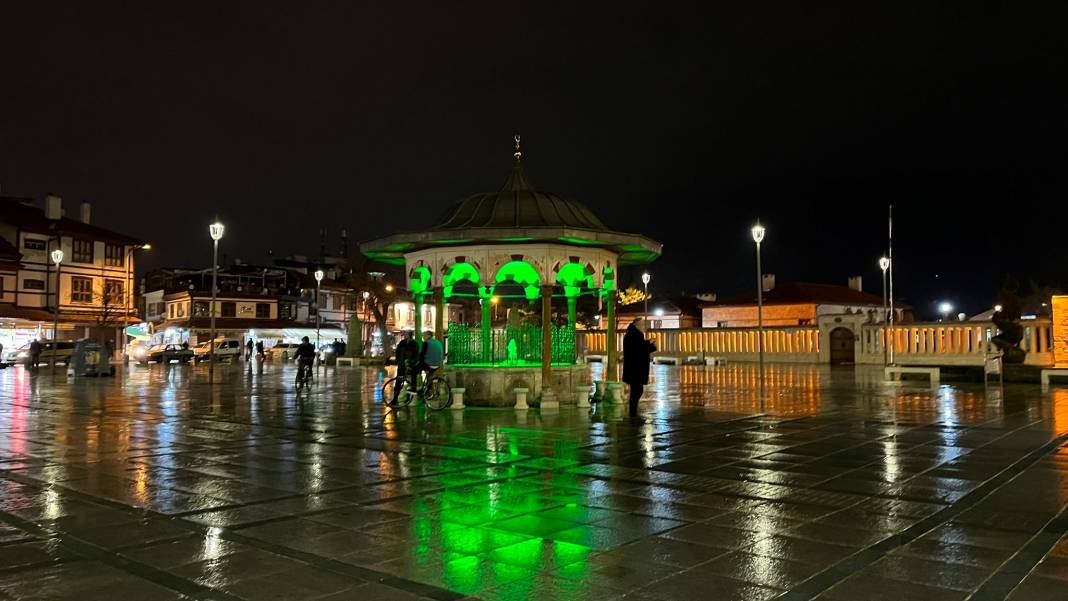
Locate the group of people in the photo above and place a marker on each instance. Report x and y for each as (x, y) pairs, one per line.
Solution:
(413, 358)
(255, 349)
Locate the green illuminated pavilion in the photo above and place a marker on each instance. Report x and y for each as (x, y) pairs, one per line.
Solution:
(517, 242)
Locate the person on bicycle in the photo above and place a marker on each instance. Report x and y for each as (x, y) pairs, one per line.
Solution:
(305, 355)
(406, 351)
(431, 357)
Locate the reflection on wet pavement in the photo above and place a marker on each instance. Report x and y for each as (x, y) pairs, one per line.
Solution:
(159, 485)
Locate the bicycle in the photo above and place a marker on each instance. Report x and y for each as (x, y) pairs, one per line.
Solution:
(304, 369)
(434, 391)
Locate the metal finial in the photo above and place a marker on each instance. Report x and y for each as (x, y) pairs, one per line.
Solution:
(518, 155)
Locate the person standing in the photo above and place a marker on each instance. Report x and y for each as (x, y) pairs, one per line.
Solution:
(35, 354)
(637, 352)
(249, 346)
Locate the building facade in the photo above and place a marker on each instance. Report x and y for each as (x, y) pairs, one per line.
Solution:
(92, 288)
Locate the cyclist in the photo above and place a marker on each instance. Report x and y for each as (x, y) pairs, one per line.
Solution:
(305, 356)
(431, 356)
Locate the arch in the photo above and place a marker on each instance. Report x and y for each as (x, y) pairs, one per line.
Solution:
(842, 346)
(573, 276)
(523, 274)
(458, 273)
(419, 280)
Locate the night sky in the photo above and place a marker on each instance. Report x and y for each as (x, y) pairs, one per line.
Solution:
(684, 122)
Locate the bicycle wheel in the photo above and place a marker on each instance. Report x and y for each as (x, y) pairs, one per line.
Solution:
(398, 387)
(438, 394)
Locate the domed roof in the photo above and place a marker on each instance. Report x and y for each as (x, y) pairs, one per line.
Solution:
(515, 214)
(518, 205)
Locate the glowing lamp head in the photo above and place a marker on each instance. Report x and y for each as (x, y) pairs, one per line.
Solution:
(997, 308)
(659, 312)
(216, 230)
(646, 277)
(389, 287)
(884, 263)
(495, 300)
(945, 307)
(366, 295)
(758, 233)
(319, 275)
(57, 256)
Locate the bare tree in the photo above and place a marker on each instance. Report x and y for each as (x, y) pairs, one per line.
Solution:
(383, 284)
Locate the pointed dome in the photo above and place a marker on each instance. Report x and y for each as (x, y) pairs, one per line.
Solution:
(518, 205)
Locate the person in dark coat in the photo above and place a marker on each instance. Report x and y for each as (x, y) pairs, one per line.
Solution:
(637, 353)
(35, 354)
(406, 350)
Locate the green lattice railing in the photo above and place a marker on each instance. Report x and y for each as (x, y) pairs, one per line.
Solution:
(512, 345)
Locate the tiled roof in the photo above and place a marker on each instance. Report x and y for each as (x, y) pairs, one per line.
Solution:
(800, 292)
(16, 212)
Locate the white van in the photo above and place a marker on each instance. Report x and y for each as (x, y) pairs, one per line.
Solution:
(225, 348)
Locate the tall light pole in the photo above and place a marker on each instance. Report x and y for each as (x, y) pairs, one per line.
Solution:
(57, 258)
(890, 276)
(884, 264)
(130, 297)
(645, 280)
(758, 237)
(216, 230)
(318, 314)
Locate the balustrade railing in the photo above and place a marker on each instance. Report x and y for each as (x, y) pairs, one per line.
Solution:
(963, 343)
(800, 344)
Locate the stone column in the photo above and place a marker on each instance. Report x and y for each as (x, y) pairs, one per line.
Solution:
(418, 298)
(439, 314)
(546, 337)
(486, 331)
(610, 374)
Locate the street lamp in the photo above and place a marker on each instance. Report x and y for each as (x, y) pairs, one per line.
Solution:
(493, 301)
(645, 280)
(216, 231)
(884, 264)
(318, 314)
(57, 258)
(129, 299)
(758, 237)
(945, 309)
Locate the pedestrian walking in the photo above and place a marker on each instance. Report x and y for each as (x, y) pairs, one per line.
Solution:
(248, 350)
(637, 352)
(35, 354)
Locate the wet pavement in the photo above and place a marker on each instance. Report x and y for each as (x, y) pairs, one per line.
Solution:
(157, 484)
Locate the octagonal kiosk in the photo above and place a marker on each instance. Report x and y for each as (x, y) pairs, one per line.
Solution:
(502, 253)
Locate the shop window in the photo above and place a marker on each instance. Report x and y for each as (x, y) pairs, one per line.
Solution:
(263, 310)
(228, 309)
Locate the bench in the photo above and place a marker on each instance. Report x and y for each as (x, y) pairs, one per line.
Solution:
(665, 360)
(596, 359)
(1057, 372)
(894, 372)
(715, 361)
(350, 361)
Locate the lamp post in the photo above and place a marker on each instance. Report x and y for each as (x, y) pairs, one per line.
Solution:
(57, 258)
(318, 315)
(645, 280)
(130, 296)
(884, 264)
(758, 237)
(493, 301)
(216, 231)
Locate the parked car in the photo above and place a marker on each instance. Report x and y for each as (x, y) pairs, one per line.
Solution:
(21, 355)
(165, 353)
(225, 348)
(282, 350)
